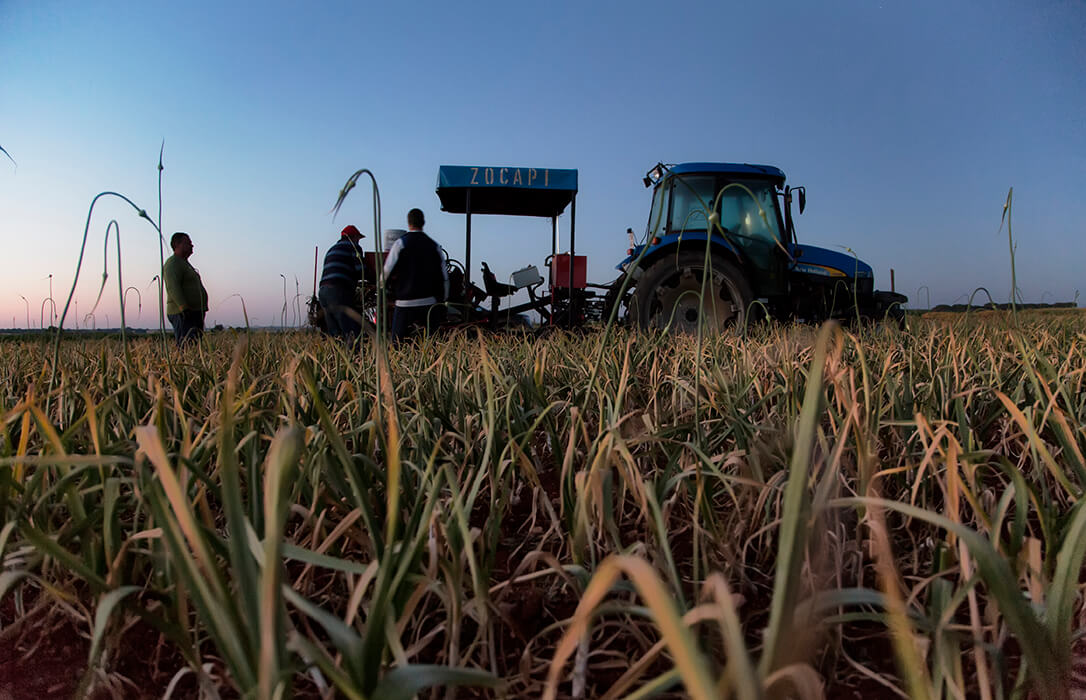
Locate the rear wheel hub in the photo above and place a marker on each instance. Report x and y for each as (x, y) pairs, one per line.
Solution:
(680, 303)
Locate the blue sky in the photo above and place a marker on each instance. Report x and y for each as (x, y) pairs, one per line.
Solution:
(906, 121)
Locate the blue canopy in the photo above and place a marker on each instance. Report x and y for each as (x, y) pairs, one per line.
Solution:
(505, 190)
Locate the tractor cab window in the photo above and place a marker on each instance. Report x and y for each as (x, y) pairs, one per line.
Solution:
(740, 215)
(658, 213)
(691, 202)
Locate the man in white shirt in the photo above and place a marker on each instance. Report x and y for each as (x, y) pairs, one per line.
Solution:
(416, 275)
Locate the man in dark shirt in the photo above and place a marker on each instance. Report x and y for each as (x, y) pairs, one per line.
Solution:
(186, 298)
(416, 276)
(341, 274)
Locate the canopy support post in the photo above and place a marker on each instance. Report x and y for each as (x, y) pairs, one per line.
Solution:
(572, 240)
(467, 252)
(550, 272)
(554, 236)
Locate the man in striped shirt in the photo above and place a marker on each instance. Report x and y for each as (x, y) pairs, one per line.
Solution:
(341, 275)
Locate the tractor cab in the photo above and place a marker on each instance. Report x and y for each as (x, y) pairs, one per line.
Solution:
(748, 226)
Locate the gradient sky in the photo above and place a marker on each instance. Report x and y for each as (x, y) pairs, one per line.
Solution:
(907, 122)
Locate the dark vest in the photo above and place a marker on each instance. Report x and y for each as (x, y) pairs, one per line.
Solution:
(419, 269)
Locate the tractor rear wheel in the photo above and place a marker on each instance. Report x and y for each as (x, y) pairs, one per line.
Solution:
(668, 294)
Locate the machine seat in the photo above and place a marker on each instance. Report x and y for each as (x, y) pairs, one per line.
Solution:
(494, 288)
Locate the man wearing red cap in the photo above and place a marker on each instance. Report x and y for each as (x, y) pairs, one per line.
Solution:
(341, 275)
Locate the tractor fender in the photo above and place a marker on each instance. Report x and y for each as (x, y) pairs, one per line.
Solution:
(672, 244)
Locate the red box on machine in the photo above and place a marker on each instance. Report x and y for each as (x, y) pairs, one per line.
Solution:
(560, 271)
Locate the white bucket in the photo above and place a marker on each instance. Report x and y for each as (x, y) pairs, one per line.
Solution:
(392, 235)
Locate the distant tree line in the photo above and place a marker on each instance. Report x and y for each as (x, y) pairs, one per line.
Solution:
(1002, 307)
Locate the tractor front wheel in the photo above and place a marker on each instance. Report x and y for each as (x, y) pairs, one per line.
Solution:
(669, 294)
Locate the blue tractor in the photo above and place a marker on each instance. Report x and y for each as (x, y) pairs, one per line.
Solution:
(727, 229)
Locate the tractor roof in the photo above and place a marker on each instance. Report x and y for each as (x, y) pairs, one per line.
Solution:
(505, 190)
(746, 169)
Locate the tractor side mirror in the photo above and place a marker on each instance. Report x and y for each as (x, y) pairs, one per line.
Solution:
(802, 200)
